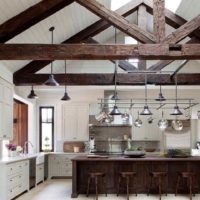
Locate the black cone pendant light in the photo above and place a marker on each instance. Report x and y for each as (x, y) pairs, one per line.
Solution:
(160, 96)
(32, 94)
(146, 110)
(51, 81)
(176, 107)
(66, 96)
(115, 110)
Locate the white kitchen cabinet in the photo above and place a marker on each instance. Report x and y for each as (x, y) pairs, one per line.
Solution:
(148, 131)
(14, 179)
(60, 165)
(75, 122)
(6, 110)
(39, 173)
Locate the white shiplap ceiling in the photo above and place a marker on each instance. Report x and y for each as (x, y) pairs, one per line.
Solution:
(69, 21)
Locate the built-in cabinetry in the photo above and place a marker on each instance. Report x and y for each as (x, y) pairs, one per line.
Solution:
(39, 173)
(14, 179)
(6, 109)
(60, 165)
(75, 122)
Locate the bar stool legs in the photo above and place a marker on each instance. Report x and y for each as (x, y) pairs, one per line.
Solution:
(159, 177)
(127, 176)
(95, 176)
(189, 176)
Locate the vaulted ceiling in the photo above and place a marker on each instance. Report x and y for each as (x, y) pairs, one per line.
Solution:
(70, 20)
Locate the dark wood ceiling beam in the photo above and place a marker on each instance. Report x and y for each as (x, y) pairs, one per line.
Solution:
(99, 52)
(30, 17)
(123, 64)
(160, 65)
(142, 23)
(179, 68)
(171, 18)
(159, 19)
(108, 79)
(183, 31)
(90, 31)
(118, 21)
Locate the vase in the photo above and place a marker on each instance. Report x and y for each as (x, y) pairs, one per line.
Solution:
(12, 153)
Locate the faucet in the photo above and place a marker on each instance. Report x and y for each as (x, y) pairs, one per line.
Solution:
(26, 146)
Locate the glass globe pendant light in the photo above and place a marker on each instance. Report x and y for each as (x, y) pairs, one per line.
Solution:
(51, 80)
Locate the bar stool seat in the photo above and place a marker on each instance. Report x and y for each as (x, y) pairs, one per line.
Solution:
(127, 176)
(158, 177)
(189, 176)
(96, 176)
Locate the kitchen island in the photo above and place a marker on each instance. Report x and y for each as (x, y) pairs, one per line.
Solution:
(112, 165)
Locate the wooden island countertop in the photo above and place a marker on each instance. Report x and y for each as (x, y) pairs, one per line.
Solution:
(112, 165)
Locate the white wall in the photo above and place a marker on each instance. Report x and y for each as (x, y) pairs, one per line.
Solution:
(89, 95)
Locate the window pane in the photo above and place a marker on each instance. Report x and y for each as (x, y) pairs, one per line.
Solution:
(46, 128)
(49, 115)
(46, 136)
(44, 115)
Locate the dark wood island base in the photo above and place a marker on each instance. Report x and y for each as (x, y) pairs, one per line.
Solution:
(142, 166)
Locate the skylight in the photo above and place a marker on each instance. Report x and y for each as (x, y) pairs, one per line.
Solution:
(172, 4)
(115, 4)
(169, 4)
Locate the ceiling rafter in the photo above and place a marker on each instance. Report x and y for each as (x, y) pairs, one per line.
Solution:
(118, 21)
(176, 22)
(99, 52)
(89, 31)
(108, 79)
(30, 17)
(123, 64)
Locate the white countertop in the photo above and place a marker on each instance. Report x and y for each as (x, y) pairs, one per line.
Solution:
(6, 160)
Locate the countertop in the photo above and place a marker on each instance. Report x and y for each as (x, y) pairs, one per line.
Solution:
(6, 160)
(125, 158)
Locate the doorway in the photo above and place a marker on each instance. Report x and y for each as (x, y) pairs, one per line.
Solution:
(20, 123)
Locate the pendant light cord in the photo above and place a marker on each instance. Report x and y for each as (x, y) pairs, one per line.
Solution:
(65, 74)
(176, 89)
(52, 36)
(146, 89)
(116, 64)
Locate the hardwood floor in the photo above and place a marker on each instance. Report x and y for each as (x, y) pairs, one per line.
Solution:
(60, 189)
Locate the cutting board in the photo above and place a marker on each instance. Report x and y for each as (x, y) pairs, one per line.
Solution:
(69, 146)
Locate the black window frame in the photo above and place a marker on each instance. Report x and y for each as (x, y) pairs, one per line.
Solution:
(40, 126)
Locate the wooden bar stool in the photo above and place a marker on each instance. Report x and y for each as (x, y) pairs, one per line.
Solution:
(95, 176)
(127, 176)
(189, 176)
(158, 177)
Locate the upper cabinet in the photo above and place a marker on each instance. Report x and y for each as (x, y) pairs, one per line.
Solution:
(75, 122)
(6, 110)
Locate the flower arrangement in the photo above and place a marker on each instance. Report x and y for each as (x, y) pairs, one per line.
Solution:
(11, 147)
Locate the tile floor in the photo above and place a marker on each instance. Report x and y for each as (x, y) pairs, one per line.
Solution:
(60, 189)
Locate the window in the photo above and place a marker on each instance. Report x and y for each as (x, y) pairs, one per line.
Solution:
(46, 128)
